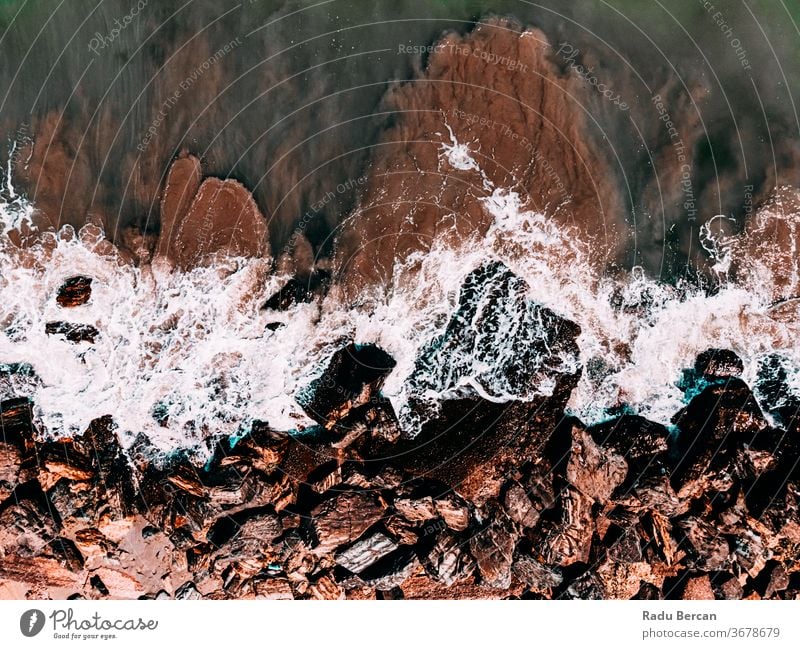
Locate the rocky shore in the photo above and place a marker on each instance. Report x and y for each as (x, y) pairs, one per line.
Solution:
(489, 501)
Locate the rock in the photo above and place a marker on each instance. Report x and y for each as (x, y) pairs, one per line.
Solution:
(364, 553)
(344, 519)
(535, 357)
(454, 511)
(391, 571)
(298, 290)
(493, 549)
(74, 292)
(594, 471)
(519, 506)
(719, 420)
(416, 509)
(535, 575)
(718, 364)
(353, 377)
(448, 561)
(73, 332)
(569, 538)
(631, 436)
(698, 588)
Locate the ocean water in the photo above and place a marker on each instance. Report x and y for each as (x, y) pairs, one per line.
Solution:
(187, 357)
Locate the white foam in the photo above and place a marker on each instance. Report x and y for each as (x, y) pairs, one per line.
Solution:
(196, 344)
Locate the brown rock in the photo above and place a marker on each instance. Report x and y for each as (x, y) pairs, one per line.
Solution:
(74, 292)
(343, 519)
(698, 588)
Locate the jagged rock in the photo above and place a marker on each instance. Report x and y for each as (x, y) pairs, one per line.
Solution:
(568, 539)
(594, 471)
(718, 364)
(535, 575)
(343, 519)
(493, 549)
(713, 550)
(365, 552)
(454, 511)
(519, 506)
(74, 292)
(416, 509)
(448, 561)
(533, 358)
(391, 571)
(353, 376)
(72, 331)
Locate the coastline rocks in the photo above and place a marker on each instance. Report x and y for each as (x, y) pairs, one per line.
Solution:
(74, 292)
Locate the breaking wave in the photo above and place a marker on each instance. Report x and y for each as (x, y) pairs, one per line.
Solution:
(188, 357)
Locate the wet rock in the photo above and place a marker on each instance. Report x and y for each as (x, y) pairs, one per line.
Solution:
(343, 519)
(73, 332)
(74, 292)
(718, 364)
(298, 290)
(719, 420)
(364, 553)
(631, 436)
(538, 354)
(353, 376)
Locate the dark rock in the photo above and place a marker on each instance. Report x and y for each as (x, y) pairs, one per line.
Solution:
(568, 539)
(719, 420)
(73, 332)
(631, 436)
(354, 376)
(297, 290)
(74, 292)
(534, 357)
(718, 364)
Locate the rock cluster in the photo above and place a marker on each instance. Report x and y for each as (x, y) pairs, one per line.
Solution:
(490, 501)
